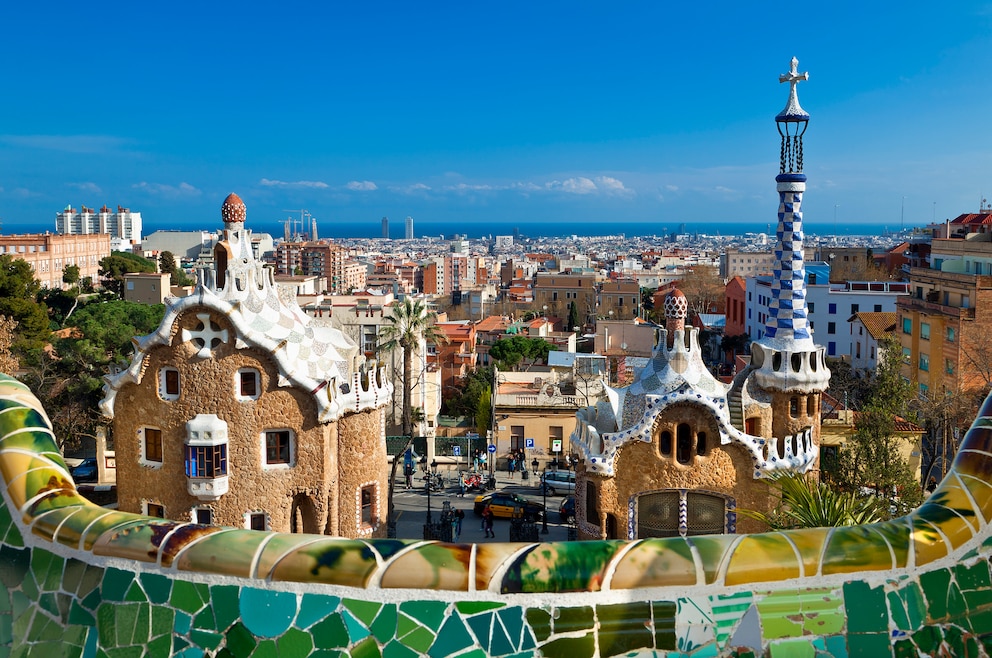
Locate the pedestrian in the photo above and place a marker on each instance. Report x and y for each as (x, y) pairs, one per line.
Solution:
(461, 485)
(459, 517)
(487, 522)
(511, 466)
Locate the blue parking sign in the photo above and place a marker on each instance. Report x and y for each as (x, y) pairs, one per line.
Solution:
(528, 444)
(456, 451)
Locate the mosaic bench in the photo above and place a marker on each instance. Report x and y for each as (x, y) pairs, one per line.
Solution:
(82, 580)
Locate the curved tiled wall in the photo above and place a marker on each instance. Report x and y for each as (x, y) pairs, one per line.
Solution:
(83, 580)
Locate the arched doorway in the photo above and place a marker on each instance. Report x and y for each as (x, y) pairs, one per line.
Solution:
(303, 515)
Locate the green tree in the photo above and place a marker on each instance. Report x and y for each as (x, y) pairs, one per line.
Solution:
(70, 275)
(573, 317)
(509, 351)
(116, 265)
(871, 460)
(167, 262)
(18, 292)
(410, 324)
(483, 410)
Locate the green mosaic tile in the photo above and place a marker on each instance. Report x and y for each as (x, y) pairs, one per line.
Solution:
(865, 607)
(266, 649)
(499, 643)
(115, 584)
(482, 627)
(182, 622)
(240, 641)
(356, 629)
(205, 639)
(791, 649)
(385, 624)
(897, 611)
(975, 576)
(47, 569)
(420, 640)
(9, 533)
(126, 652)
(451, 638)
(29, 586)
(205, 620)
(14, 563)
(664, 614)
(473, 607)
(396, 649)
(956, 606)
(916, 607)
(429, 613)
(781, 614)
(870, 644)
(404, 625)
(160, 646)
(366, 649)
(935, 584)
(162, 620)
(539, 620)
(836, 646)
(330, 633)
(568, 620)
(712, 551)
(267, 613)
(364, 611)
(953, 637)
(560, 567)
(570, 647)
(80, 615)
(624, 627)
(314, 607)
(157, 587)
(512, 620)
(142, 625)
(294, 643)
(224, 603)
(135, 594)
(6, 634)
(190, 597)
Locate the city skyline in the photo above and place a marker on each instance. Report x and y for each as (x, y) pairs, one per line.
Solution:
(444, 113)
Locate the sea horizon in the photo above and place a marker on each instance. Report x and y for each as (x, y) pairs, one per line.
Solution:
(477, 230)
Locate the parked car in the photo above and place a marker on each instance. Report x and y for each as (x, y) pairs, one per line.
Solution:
(566, 511)
(86, 471)
(558, 482)
(509, 506)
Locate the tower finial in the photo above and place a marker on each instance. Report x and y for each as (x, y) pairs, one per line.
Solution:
(792, 122)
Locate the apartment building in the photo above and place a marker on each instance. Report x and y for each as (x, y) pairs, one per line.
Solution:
(123, 226)
(49, 254)
(619, 300)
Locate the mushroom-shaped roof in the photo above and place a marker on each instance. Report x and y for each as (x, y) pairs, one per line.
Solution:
(233, 210)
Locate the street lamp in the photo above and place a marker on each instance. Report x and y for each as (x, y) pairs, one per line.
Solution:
(544, 494)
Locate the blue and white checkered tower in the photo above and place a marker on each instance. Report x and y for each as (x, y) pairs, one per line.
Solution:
(786, 357)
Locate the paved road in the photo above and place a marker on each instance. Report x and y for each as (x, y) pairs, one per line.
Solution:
(411, 510)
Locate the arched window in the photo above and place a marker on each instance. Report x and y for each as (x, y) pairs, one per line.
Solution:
(701, 443)
(683, 443)
(666, 443)
(811, 406)
(793, 406)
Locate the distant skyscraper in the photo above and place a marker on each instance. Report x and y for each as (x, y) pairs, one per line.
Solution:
(385, 228)
(409, 228)
(123, 226)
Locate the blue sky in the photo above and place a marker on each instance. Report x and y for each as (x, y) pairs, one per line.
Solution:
(482, 113)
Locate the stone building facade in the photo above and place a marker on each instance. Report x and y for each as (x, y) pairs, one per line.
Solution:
(678, 452)
(240, 410)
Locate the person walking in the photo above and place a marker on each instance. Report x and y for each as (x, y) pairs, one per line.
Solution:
(487, 522)
(459, 517)
(511, 465)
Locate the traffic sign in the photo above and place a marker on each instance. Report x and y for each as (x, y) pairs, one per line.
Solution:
(456, 451)
(492, 448)
(528, 444)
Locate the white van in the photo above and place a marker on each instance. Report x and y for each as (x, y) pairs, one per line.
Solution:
(562, 482)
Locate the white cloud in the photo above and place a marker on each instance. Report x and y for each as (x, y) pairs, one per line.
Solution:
(362, 186)
(93, 188)
(575, 185)
(311, 184)
(672, 188)
(415, 188)
(613, 186)
(466, 187)
(161, 189)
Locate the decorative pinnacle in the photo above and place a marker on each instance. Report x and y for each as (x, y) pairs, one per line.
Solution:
(793, 112)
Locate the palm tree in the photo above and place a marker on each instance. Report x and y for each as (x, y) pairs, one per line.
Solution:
(806, 503)
(410, 324)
